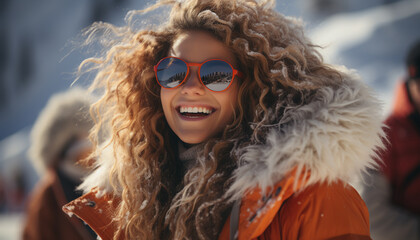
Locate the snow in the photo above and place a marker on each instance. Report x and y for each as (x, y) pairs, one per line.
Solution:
(70, 214)
(10, 226)
(143, 204)
(372, 41)
(47, 28)
(15, 144)
(345, 30)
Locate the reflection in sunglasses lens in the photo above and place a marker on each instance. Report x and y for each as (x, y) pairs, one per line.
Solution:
(171, 72)
(216, 75)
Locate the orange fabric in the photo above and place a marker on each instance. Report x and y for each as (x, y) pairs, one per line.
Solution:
(324, 211)
(320, 211)
(257, 212)
(96, 212)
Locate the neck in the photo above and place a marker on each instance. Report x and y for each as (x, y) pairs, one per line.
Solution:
(188, 153)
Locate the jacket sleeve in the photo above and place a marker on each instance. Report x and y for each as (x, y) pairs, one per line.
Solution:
(388, 222)
(321, 211)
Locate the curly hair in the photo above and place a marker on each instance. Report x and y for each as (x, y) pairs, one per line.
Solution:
(160, 199)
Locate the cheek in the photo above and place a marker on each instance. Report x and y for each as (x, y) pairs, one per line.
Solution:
(165, 99)
(230, 103)
(234, 96)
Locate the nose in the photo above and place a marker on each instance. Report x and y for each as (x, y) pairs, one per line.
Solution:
(193, 85)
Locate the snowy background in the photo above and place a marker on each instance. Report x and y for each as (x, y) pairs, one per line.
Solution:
(36, 61)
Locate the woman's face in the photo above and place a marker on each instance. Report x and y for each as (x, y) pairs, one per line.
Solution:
(197, 47)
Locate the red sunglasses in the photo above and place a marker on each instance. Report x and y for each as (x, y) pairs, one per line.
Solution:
(215, 74)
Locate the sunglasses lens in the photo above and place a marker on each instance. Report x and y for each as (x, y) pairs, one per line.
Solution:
(171, 72)
(216, 75)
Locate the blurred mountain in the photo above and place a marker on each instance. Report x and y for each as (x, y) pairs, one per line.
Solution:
(373, 41)
(36, 52)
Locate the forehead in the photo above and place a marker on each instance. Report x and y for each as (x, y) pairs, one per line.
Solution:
(199, 46)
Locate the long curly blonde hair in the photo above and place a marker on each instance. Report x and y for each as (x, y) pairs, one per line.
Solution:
(159, 198)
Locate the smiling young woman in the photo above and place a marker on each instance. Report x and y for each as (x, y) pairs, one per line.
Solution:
(225, 123)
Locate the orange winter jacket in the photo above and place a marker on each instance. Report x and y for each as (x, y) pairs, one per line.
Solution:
(320, 211)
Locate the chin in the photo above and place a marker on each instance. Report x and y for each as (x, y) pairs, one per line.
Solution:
(192, 139)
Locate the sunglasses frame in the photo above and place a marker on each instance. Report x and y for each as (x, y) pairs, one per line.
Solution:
(235, 72)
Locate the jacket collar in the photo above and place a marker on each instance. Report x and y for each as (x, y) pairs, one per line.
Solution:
(258, 208)
(95, 210)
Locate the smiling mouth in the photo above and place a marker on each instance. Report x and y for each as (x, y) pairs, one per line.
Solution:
(195, 112)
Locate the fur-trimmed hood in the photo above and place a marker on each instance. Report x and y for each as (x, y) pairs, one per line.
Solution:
(65, 118)
(333, 135)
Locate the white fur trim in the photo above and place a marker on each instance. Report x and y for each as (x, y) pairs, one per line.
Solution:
(100, 177)
(334, 137)
(65, 117)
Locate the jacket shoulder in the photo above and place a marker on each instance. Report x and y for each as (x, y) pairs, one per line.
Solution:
(323, 211)
(96, 211)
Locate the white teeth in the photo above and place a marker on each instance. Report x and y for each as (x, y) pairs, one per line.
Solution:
(195, 110)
